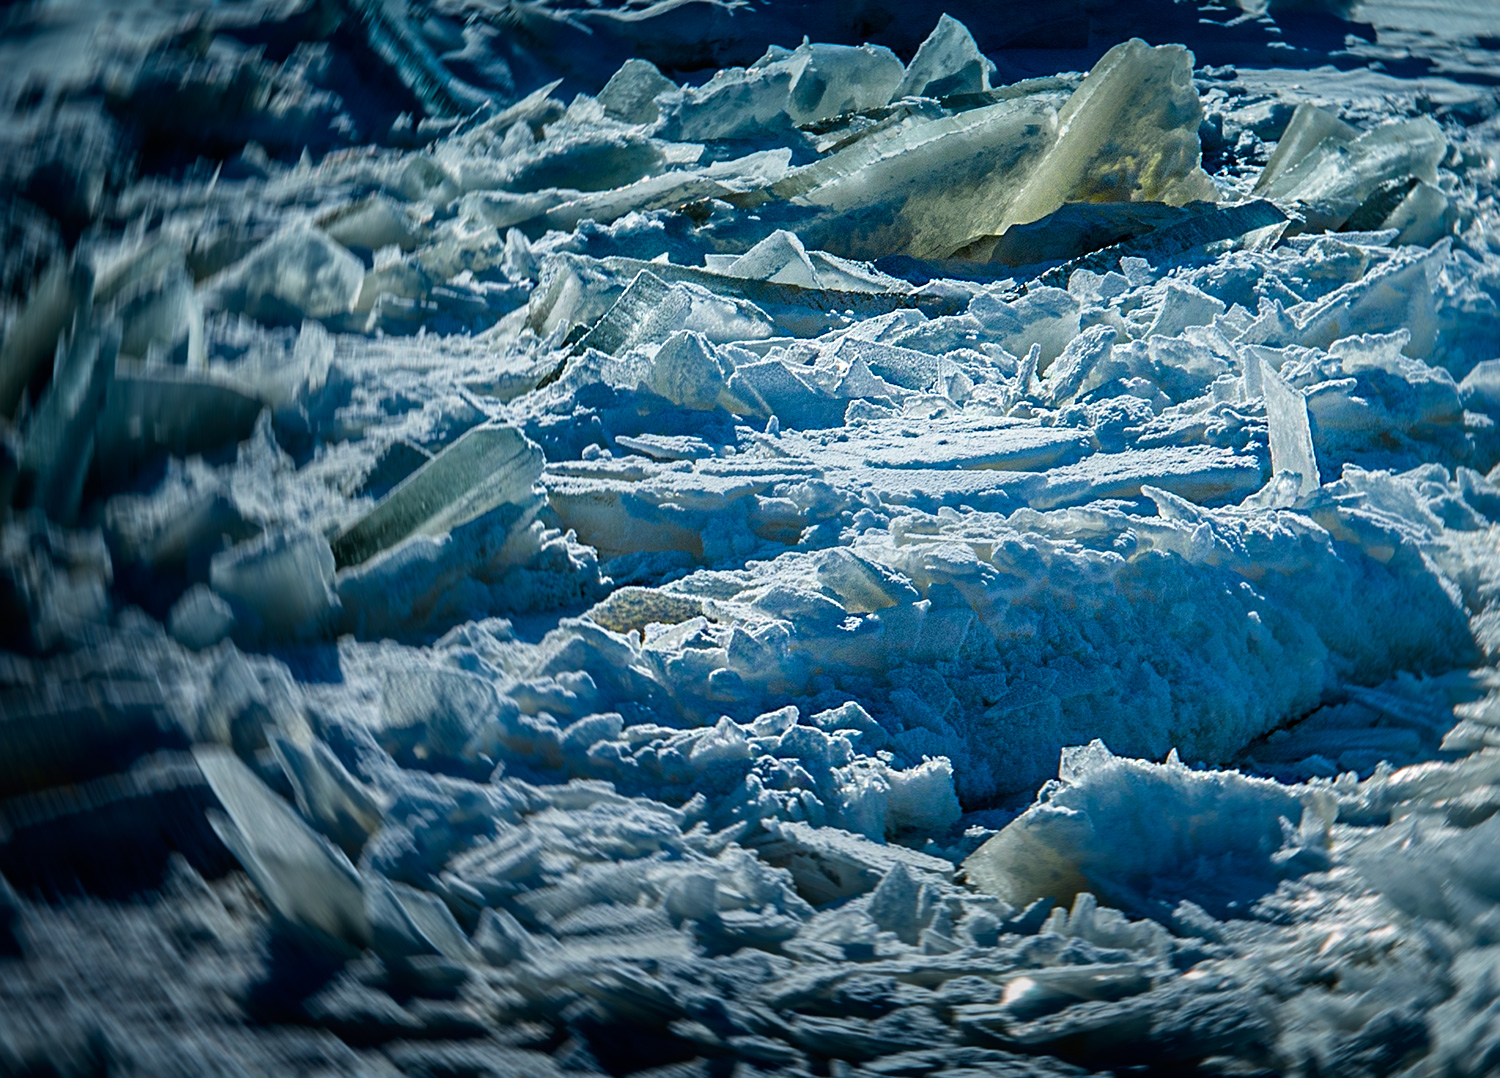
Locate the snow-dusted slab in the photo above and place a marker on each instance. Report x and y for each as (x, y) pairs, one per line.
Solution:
(487, 467)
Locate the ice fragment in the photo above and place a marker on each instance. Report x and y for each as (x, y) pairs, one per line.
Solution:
(487, 467)
(304, 878)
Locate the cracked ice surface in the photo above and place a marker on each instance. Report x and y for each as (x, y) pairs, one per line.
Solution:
(564, 540)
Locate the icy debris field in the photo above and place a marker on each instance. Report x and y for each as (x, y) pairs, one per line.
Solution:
(603, 540)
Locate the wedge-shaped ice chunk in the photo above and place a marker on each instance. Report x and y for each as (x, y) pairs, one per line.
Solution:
(372, 223)
(1184, 306)
(1423, 216)
(630, 94)
(406, 923)
(298, 274)
(32, 338)
(779, 258)
(1331, 182)
(926, 189)
(688, 372)
(150, 409)
(200, 619)
(1129, 831)
(1480, 389)
(304, 878)
(329, 798)
(650, 309)
(1309, 127)
(948, 62)
(812, 82)
(60, 439)
(485, 468)
(282, 581)
(1128, 133)
(165, 322)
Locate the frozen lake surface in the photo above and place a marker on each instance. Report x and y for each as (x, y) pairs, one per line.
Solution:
(698, 539)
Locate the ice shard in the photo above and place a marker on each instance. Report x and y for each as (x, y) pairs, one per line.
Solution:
(1309, 127)
(650, 309)
(1290, 435)
(32, 338)
(303, 877)
(301, 273)
(947, 62)
(486, 467)
(281, 583)
(60, 438)
(785, 88)
(631, 92)
(1128, 133)
(1330, 182)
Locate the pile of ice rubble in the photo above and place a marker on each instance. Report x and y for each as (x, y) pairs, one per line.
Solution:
(832, 561)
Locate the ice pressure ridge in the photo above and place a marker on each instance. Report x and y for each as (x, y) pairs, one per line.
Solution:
(633, 562)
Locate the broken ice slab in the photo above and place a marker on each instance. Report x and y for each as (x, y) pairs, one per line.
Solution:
(300, 273)
(1134, 832)
(151, 409)
(486, 467)
(925, 188)
(373, 223)
(929, 189)
(630, 94)
(32, 338)
(1290, 433)
(947, 62)
(331, 799)
(1424, 216)
(828, 864)
(785, 88)
(575, 291)
(971, 443)
(280, 583)
(304, 878)
(666, 446)
(771, 388)
(669, 190)
(406, 922)
(1308, 127)
(60, 438)
(650, 309)
(1332, 181)
(1203, 474)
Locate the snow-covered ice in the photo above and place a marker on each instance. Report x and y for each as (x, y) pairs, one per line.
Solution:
(627, 539)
